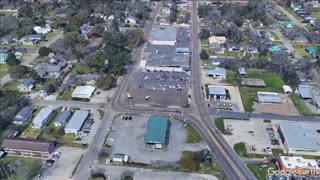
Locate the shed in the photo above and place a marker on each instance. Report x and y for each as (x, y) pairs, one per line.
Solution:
(76, 122)
(62, 118)
(157, 131)
(268, 97)
(286, 89)
(23, 115)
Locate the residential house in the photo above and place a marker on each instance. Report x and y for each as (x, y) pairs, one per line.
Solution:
(27, 85)
(44, 91)
(86, 29)
(23, 115)
(49, 70)
(33, 148)
(312, 50)
(42, 117)
(219, 39)
(99, 15)
(216, 60)
(7, 40)
(274, 48)
(130, 20)
(301, 39)
(166, 10)
(3, 57)
(251, 48)
(217, 72)
(288, 24)
(62, 119)
(42, 30)
(234, 47)
(33, 37)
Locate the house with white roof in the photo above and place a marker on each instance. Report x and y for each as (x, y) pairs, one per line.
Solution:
(42, 30)
(42, 118)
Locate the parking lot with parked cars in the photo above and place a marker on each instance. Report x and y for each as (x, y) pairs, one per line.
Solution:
(88, 129)
(159, 89)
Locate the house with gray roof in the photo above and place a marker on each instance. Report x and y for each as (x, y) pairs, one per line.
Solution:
(26, 86)
(299, 138)
(44, 91)
(23, 115)
(217, 72)
(50, 70)
(304, 91)
(62, 119)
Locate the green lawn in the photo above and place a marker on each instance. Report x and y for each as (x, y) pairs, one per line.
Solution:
(11, 85)
(51, 35)
(259, 172)
(101, 113)
(301, 50)
(220, 125)
(193, 162)
(31, 133)
(192, 135)
(232, 77)
(205, 42)
(29, 167)
(240, 149)
(230, 53)
(7, 13)
(248, 94)
(3, 69)
(66, 95)
(300, 105)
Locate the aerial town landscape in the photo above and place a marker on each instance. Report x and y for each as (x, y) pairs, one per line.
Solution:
(165, 90)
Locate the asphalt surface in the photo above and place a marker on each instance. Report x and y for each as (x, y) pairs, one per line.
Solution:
(287, 43)
(291, 17)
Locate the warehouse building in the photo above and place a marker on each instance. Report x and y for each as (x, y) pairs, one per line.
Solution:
(163, 36)
(28, 147)
(299, 165)
(166, 62)
(76, 122)
(62, 119)
(42, 117)
(299, 139)
(83, 92)
(219, 73)
(268, 97)
(157, 130)
(23, 115)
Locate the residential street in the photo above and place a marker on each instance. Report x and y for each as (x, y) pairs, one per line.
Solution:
(287, 43)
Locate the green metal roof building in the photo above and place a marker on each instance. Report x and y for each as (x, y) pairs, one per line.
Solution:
(157, 130)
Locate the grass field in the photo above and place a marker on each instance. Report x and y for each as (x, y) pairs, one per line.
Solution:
(205, 42)
(192, 135)
(301, 50)
(240, 149)
(248, 94)
(220, 125)
(3, 69)
(30, 165)
(194, 162)
(232, 77)
(66, 95)
(31, 133)
(12, 85)
(259, 172)
(301, 106)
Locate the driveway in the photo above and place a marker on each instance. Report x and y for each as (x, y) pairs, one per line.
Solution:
(115, 173)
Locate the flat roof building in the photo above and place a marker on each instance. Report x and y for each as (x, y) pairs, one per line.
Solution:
(299, 139)
(163, 36)
(23, 115)
(268, 97)
(166, 62)
(42, 117)
(157, 131)
(299, 165)
(76, 122)
(28, 147)
(217, 92)
(217, 73)
(304, 91)
(83, 92)
(62, 119)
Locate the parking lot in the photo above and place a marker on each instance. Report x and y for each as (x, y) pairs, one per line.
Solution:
(285, 108)
(256, 134)
(127, 137)
(63, 167)
(162, 89)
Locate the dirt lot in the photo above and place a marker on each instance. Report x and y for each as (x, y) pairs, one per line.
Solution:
(128, 137)
(64, 166)
(285, 108)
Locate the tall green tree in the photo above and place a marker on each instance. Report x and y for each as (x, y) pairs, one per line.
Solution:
(204, 55)
(12, 59)
(98, 61)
